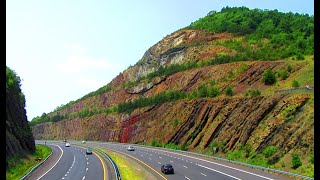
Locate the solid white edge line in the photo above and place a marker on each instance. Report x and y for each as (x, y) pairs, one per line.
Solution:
(212, 163)
(54, 164)
(219, 172)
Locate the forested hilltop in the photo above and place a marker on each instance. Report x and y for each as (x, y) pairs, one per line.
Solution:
(239, 79)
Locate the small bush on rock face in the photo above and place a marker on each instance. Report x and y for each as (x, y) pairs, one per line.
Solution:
(295, 83)
(229, 91)
(269, 151)
(269, 77)
(295, 161)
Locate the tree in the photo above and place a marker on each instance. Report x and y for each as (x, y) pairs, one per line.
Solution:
(229, 91)
(295, 161)
(269, 77)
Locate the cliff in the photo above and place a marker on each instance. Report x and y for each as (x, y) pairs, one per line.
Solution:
(19, 139)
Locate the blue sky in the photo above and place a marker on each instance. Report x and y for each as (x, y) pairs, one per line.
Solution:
(63, 50)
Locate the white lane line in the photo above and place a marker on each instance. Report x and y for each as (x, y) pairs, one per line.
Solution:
(62, 177)
(187, 177)
(218, 171)
(54, 164)
(185, 166)
(160, 157)
(216, 164)
(87, 162)
(159, 163)
(87, 169)
(171, 161)
(150, 158)
(203, 174)
(83, 177)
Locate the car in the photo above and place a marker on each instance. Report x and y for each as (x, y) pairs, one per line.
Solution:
(64, 140)
(67, 144)
(88, 151)
(130, 148)
(83, 142)
(167, 168)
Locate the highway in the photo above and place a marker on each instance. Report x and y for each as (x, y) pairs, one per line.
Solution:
(69, 163)
(187, 167)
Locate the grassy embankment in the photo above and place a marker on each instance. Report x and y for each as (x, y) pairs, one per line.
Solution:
(129, 169)
(18, 167)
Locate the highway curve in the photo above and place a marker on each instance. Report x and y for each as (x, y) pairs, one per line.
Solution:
(187, 167)
(69, 163)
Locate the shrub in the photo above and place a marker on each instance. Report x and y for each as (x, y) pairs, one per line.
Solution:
(269, 151)
(255, 93)
(289, 68)
(295, 161)
(269, 77)
(295, 83)
(312, 158)
(229, 91)
(283, 74)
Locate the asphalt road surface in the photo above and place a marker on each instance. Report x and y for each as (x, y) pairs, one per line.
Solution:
(186, 167)
(72, 163)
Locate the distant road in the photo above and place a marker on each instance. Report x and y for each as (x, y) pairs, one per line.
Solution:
(70, 163)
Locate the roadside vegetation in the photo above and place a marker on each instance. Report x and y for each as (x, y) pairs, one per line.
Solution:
(18, 166)
(128, 168)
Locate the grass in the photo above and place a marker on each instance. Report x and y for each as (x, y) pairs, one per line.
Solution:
(127, 169)
(18, 167)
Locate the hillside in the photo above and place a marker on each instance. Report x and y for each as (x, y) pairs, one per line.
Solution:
(19, 139)
(212, 84)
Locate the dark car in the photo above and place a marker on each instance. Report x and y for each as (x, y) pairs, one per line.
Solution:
(167, 169)
(88, 151)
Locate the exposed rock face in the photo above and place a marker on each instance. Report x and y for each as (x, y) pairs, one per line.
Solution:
(175, 49)
(257, 121)
(19, 139)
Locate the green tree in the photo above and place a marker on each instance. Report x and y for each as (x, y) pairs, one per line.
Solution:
(295, 83)
(269, 77)
(229, 91)
(295, 161)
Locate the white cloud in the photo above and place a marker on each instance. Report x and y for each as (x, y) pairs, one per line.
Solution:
(78, 62)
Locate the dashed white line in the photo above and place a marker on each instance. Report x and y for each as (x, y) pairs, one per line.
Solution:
(185, 166)
(160, 157)
(150, 158)
(187, 177)
(218, 171)
(159, 163)
(203, 174)
(171, 161)
(83, 177)
(87, 169)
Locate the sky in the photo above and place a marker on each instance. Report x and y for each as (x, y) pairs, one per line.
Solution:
(63, 50)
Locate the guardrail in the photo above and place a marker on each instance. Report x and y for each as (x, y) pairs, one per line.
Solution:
(226, 160)
(307, 88)
(35, 167)
(115, 167)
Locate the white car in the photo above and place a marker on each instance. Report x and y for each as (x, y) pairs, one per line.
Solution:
(130, 148)
(83, 142)
(67, 144)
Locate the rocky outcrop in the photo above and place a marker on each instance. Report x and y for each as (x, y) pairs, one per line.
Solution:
(19, 139)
